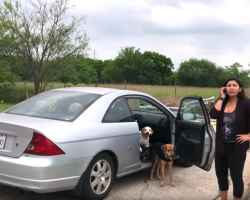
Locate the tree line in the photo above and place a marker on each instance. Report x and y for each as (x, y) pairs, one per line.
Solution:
(41, 43)
(134, 67)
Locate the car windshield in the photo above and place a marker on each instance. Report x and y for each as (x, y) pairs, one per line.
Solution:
(58, 105)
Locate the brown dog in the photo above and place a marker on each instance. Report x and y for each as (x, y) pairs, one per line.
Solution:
(164, 157)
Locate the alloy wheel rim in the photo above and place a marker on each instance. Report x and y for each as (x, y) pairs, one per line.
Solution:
(100, 177)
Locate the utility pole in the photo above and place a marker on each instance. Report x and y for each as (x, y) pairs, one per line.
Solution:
(98, 75)
(95, 54)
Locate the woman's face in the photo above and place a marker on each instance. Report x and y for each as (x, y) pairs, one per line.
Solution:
(233, 88)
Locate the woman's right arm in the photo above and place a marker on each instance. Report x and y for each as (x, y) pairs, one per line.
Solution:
(215, 111)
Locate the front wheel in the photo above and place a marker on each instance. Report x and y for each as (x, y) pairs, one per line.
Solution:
(99, 178)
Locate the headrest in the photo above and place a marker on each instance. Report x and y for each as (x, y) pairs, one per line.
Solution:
(75, 108)
(42, 105)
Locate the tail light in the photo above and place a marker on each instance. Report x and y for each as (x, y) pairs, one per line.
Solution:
(40, 145)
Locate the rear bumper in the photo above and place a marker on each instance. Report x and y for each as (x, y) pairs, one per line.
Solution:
(42, 174)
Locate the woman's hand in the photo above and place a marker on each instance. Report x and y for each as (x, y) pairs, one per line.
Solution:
(242, 138)
(223, 92)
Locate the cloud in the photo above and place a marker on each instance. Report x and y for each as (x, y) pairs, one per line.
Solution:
(178, 3)
(215, 30)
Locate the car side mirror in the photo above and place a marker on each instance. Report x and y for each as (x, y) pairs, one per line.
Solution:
(189, 116)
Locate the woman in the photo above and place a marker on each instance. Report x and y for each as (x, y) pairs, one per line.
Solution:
(232, 111)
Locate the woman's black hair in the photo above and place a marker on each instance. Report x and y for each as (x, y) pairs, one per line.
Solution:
(241, 94)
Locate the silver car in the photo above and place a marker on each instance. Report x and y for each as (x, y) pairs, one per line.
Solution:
(79, 139)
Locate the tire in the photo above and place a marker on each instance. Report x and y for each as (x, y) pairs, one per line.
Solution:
(92, 193)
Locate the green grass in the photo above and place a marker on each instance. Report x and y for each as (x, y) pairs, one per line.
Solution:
(5, 106)
(156, 91)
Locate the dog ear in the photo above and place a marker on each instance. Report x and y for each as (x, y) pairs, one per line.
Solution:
(163, 147)
(151, 131)
(174, 147)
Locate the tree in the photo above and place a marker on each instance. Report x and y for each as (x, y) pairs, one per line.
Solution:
(236, 70)
(98, 65)
(141, 68)
(68, 74)
(111, 73)
(161, 64)
(199, 73)
(7, 80)
(85, 73)
(43, 34)
(129, 62)
(5, 73)
(171, 80)
(77, 70)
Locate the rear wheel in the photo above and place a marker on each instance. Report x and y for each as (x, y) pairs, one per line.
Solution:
(99, 178)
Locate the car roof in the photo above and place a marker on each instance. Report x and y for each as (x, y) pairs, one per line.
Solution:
(95, 90)
(101, 90)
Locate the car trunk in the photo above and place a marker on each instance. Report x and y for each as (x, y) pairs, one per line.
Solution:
(16, 133)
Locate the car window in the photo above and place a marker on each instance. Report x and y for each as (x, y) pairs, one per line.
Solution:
(119, 112)
(58, 105)
(191, 110)
(137, 104)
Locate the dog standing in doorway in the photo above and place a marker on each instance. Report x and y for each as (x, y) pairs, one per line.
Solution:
(144, 137)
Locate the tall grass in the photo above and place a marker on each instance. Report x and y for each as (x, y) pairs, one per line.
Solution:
(5, 106)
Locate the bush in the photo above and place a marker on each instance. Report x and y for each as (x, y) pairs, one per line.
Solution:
(13, 92)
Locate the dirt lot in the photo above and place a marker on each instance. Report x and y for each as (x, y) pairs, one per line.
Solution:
(191, 183)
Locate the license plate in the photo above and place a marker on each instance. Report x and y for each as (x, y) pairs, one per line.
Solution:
(2, 141)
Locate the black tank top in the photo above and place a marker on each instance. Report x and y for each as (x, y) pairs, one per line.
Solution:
(228, 127)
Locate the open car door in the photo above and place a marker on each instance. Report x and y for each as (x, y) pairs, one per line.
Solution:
(194, 135)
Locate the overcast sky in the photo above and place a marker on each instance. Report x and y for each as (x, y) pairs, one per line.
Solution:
(218, 30)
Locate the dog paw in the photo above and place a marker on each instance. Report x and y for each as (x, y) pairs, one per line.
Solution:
(162, 184)
(151, 179)
(172, 184)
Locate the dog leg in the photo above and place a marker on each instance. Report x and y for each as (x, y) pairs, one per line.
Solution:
(170, 173)
(162, 174)
(152, 170)
(158, 168)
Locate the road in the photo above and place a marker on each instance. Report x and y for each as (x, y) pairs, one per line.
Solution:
(190, 183)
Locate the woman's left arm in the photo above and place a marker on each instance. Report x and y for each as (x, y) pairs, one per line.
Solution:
(245, 137)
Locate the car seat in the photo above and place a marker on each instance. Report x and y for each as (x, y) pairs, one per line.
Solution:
(120, 110)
